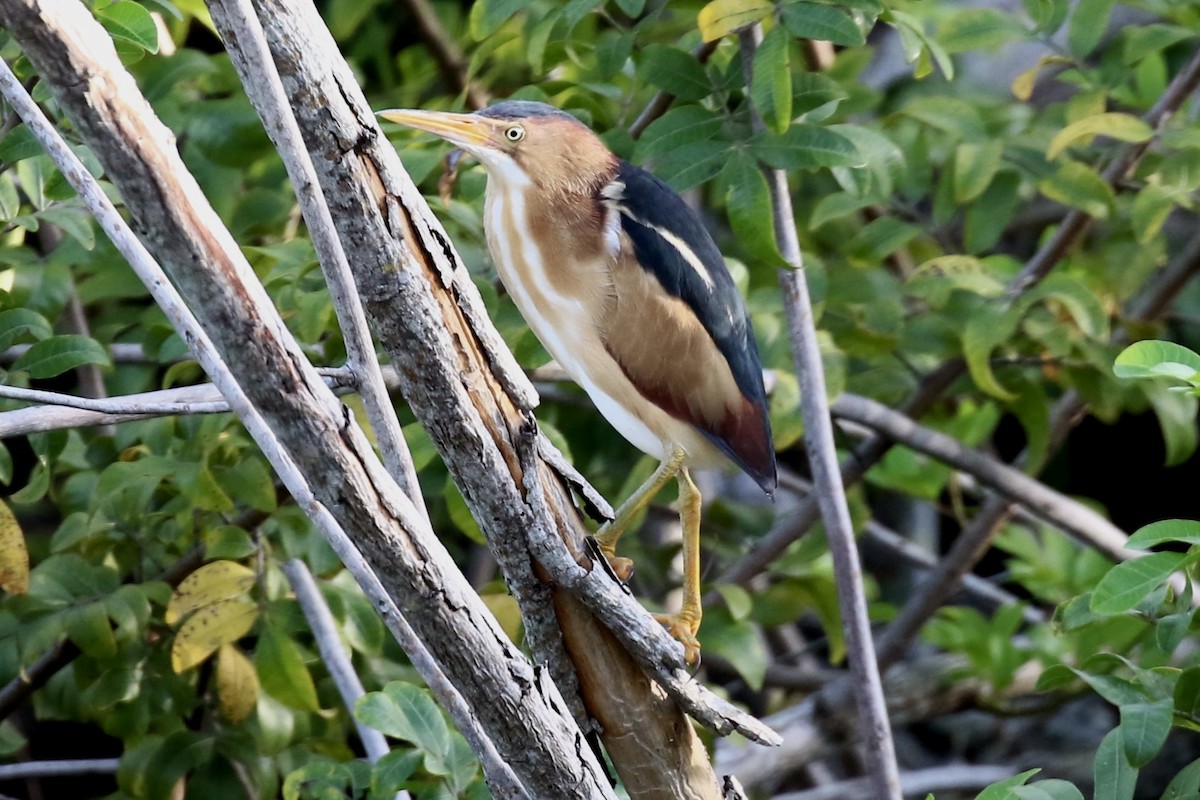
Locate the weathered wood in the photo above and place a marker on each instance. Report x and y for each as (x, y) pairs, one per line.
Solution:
(417, 291)
(522, 712)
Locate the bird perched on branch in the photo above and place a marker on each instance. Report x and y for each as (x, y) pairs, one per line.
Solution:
(622, 284)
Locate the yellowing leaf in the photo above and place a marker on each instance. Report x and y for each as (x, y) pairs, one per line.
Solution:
(1125, 127)
(14, 557)
(1022, 85)
(504, 608)
(722, 17)
(237, 684)
(212, 583)
(210, 627)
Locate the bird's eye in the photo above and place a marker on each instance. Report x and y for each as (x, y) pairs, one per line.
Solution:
(515, 134)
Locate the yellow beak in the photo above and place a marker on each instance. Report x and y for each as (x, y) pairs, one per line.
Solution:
(464, 130)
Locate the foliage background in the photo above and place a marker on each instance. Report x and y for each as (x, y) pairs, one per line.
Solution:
(928, 163)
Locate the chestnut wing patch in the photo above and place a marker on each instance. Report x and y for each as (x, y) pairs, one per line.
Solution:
(697, 306)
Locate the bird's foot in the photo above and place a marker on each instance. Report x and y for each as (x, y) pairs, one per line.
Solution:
(621, 567)
(683, 629)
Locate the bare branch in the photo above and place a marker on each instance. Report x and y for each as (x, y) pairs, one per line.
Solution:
(447, 53)
(918, 783)
(334, 653)
(827, 476)
(1054, 507)
(346, 480)
(237, 23)
(54, 769)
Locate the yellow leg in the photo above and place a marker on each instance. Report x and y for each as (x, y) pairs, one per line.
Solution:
(611, 531)
(685, 624)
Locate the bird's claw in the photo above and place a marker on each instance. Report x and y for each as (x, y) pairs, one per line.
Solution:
(684, 631)
(621, 567)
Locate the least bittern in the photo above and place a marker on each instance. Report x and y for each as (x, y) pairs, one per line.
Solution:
(623, 285)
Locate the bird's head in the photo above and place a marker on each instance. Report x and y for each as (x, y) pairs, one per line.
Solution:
(521, 143)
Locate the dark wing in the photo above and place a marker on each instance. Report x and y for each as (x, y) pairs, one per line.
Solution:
(670, 242)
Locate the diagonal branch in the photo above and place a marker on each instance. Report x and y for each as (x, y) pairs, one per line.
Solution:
(349, 488)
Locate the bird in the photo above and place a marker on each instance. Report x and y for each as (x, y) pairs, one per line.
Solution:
(624, 286)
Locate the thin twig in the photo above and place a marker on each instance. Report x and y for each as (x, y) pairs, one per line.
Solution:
(827, 477)
(334, 653)
(247, 46)
(55, 769)
(447, 53)
(917, 783)
(70, 411)
(1051, 506)
(119, 352)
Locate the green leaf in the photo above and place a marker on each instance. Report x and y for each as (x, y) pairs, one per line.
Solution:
(1145, 40)
(1185, 784)
(674, 71)
(806, 146)
(282, 672)
(975, 164)
(1052, 789)
(1079, 186)
(737, 600)
(1157, 359)
(1151, 208)
(487, 16)
(881, 237)
(88, 627)
(748, 203)
(682, 125)
(60, 354)
(771, 84)
(806, 20)
(130, 22)
(812, 90)
(1115, 778)
(1002, 790)
(1123, 127)
(990, 214)
(248, 481)
(16, 323)
(951, 115)
(983, 333)
(1128, 583)
(1048, 15)
(1176, 413)
(979, 29)
(1167, 530)
(1089, 21)
(74, 221)
(720, 18)
(18, 144)
(1144, 728)
(836, 206)
(692, 164)
(390, 774)
(406, 712)
(740, 642)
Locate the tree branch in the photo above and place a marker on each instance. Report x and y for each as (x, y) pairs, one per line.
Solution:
(1054, 507)
(460, 382)
(917, 783)
(324, 449)
(827, 476)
